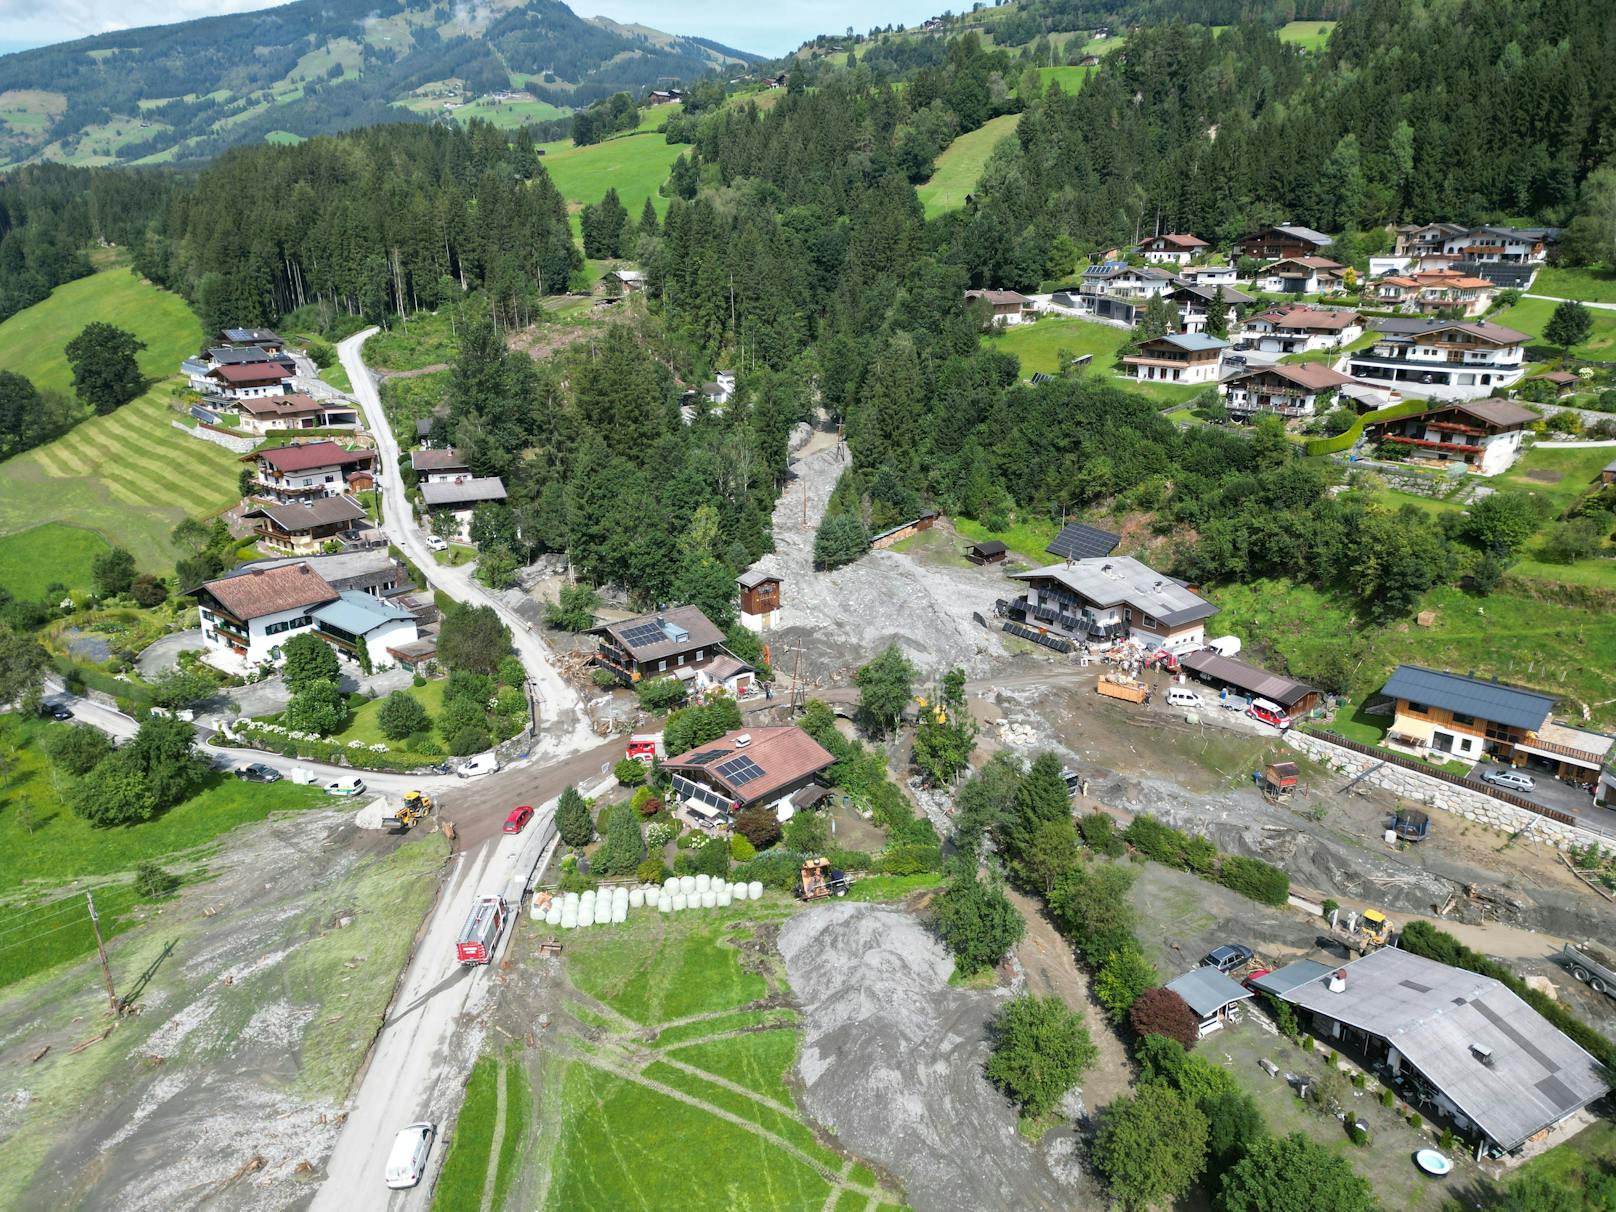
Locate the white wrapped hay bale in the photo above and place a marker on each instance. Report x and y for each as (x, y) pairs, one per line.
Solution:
(636, 898)
(703, 882)
(664, 903)
(754, 890)
(687, 884)
(709, 899)
(680, 902)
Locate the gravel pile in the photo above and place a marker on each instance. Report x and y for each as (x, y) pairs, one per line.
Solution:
(892, 1063)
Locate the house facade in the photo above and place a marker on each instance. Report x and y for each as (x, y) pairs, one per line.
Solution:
(1300, 329)
(1484, 435)
(438, 466)
(246, 618)
(1196, 304)
(249, 380)
(303, 529)
(1292, 391)
(1302, 276)
(1177, 249)
(305, 472)
(1004, 306)
(1281, 241)
(760, 600)
(458, 498)
(1112, 598)
(748, 768)
(1431, 291)
(671, 643)
(1442, 359)
(1208, 275)
(357, 623)
(270, 414)
(1505, 245)
(1189, 357)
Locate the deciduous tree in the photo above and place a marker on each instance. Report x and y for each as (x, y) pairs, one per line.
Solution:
(308, 659)
(1151, 1146)
(885, 686)
(105, 373)
(977, 921)
(1040, 1051)
(1294, 1174)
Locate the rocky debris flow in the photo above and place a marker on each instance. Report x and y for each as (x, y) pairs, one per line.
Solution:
(892, 1062)
(846, 616)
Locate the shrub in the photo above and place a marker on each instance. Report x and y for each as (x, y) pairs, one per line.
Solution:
(1262, 882)
(1040, 1051)
(911, 859)
(659, 694)
(1416, 1120)
(1100, 834)
(572, 819)
(759, 826)
(402, 715)
(660, 833)
(711, 859)
(1160, 1011)
(977, 921)
(649, 806)
(151, 881)
(741, 850)
(470, 740)
(625, 847)
(1122, 978)
(1330, 905)
(651, 871)
(1359, 1132)
(318, 707)
(1157, 840)
(629, 772)
(148, 591)
(1308, 1043)
(1448, 1139)
(1387, 1098)
(77, 750)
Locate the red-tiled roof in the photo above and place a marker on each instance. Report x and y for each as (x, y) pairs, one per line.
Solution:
(261, 591)
(1298, 316)
(1178, 239)
(312, 454)
(249, 373)
(785, 754)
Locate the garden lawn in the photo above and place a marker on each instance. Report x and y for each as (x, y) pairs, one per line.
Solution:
(1588, 284)
(1531, 316)
(470, 1140)
(669, 969)
(1555, 648)
(32, 560)
(960, 165)
(129, 475)
(33, 341)
(1039, 345)
(623, 1145)
(635, 165)
(1557, 474)
(1025, 536)
(366, 723)
(1309, 35)
(759, 1061)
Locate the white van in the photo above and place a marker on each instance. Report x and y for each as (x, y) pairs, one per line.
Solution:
(1179, 697)
(407, 1161)
(483, 763)
(350, 784)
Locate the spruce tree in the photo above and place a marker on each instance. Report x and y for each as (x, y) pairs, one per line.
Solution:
(572, 820)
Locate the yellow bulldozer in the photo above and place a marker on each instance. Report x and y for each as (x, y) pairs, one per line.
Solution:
(417, 806)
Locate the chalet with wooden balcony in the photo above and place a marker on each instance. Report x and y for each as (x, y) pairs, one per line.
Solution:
(1281, 241)
(303, 529)
(246, 618)
(1292, 391)
(1431, 291)
(1196, 302)
(669, 643)
(1111, 598)
(1296, 328)
(1176, 249)
(1302, 276)
(459, 498)
(302, 472)
(1472, 718)
(1484, 435)
(438, 466)
(1180, 357)
(1003, 306)
(294, 410)
(249, 380)
(1442, 359)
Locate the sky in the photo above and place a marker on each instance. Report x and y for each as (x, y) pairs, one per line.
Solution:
(767, 28)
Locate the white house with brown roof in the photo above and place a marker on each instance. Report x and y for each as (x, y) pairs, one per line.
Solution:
(247, 617)
(459, 499)
(302, 529)
(293, 410)
(1433, 290)
(747, 768)
(1484, 435)
(1441, 359)
(249, 380)
(1004, 306)
(434, 466)
(306, 471)
(1302, 276)
(1296, 328)
(1177, 357)
(1292, 391)
(1177, 248)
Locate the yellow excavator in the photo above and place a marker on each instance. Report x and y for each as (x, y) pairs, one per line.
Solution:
(416, 807)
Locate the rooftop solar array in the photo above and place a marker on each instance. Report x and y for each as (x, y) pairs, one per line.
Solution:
(645, 633)
(740, 771)
(705, 756)
(1079, 542)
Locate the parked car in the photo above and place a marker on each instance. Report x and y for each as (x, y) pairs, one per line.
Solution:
(483, 763)
(1268, 713)
(257, 772)
(56, 711)
(350, 784)
(518, 819)
(407, 1160)
(433, 543)
(1510, 780)
(1179, 697)
(1226, 958)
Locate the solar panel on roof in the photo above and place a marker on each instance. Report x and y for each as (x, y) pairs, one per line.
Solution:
(705, 756)
(643, 634)
(1079, 542)
(740, 771)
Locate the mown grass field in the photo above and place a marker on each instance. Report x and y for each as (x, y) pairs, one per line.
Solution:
(1531, 316)
(634, 165)
(1588, 284)
(961, 163)
(33, 340)
(129, 476)
(1309, 35)
(32, 560)
(1069, 78)
(508, 115)
(1038, 346)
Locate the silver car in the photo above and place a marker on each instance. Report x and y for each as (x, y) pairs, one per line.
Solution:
(1511, 780)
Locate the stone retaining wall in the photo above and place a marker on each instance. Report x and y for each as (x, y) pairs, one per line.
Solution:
(1435, 793)
(228, 441)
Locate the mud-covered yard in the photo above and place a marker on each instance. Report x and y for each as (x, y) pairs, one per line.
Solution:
(256, 995)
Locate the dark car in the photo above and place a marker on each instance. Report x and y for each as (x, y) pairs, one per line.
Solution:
(257, 772)
(1227, 957)
(518, 819)
(58, 711)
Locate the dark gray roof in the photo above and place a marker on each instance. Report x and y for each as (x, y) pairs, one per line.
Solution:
(1282, 980)
(650, 637)
(752, 578)
(1303, 233)
(321, 512)
(1472, 696)
(1113, 580)
(1249, 678)
(463, 492)
(989, 547)
(1438, 1017)
(1078, 541)
(447, 459)
(1207, 990)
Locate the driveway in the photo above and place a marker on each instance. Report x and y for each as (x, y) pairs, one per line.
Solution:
(162, 655)
(1550, 792)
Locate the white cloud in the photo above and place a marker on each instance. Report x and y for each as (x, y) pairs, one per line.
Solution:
(40, 22)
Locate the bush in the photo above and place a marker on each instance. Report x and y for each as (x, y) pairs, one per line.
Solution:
(1262, 882)
(1330, 905)
(629, 772)
(759, 826)
(1100, 834)
(1124, 976)
(1308, 1043)
(76, 750)
(911, 858)
(573, 609)
(1157, 840)
(659, 694)
(660, 833)
(319, 707)
(977, 921)
(572, 820)
(148, 591)
(1416, 1120)
(152, 882)
(649, 806)
(1387, 1098)
(651, 871)
(1040, 1051)
(625, 848)
(740, 849)
(470, 740)
(1160, 1011)
(402, 715)
(806, 832)
(1359, 1132)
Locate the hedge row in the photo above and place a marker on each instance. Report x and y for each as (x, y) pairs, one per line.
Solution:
(1262, 882)
(1346, 441)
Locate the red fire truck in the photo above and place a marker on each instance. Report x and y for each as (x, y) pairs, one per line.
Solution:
(482, 930)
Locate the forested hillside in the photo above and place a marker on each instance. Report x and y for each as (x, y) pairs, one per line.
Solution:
(313, 67)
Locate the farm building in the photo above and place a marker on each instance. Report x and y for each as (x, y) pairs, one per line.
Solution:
(988, 551)
(1450, 1041)
(760, 600)
(1226, 673)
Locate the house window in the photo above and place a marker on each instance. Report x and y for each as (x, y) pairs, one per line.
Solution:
(1416, 708)
(661, 666)
(681, 659)
(1460, 717)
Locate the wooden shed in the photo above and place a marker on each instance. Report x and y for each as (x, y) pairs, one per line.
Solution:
(988, 551)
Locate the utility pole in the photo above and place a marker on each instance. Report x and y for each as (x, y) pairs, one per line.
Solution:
(101, 950)
(796, 681)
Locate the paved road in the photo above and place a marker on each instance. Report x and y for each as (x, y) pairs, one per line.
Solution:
(1584, 302)
(564, 725)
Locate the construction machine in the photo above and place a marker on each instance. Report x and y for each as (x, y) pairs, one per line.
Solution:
(1360, 934)
(819, 879)
(416, 807)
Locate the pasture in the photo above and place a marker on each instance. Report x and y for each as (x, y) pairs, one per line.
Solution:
(961, 163)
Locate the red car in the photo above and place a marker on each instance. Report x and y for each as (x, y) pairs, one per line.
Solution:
(518, 818)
